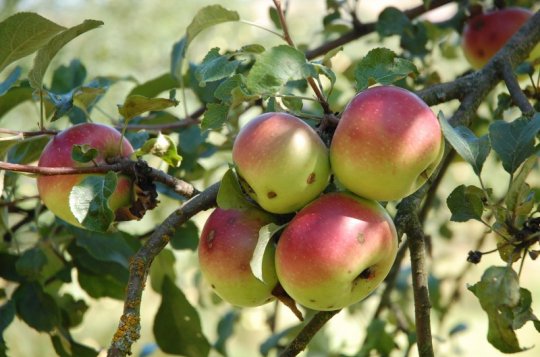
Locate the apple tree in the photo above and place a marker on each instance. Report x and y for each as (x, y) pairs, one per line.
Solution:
(313, 184)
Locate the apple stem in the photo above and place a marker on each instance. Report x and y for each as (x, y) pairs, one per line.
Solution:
(279, 293)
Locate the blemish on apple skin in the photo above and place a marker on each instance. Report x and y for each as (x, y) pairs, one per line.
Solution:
(311, 178)
(360, 238)
(271, 194)
(210, 238)
(312, 300)
(213, 286)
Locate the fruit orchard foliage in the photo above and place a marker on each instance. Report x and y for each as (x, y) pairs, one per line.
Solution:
(497, 121)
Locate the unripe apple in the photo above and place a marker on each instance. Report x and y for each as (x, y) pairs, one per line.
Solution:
(336, 251)
(387, 144)
(226, 247)
(282, 162)
(55, 190)
(484, 34)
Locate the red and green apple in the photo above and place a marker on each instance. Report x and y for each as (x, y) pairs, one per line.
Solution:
(282, 162)
(336, 251)
(55, 190)
(387, 144)
(226, 246)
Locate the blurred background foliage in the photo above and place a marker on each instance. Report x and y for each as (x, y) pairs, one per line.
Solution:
(134, 45)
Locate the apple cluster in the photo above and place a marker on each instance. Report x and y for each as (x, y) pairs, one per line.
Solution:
(339, 246)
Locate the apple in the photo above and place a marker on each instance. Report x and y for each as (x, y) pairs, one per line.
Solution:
(226, 247)
(484, 34)
(336, 251)
(386, 145)
(55, 190)
(282, 163)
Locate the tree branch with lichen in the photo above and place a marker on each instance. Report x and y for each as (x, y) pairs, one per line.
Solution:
(129, 326)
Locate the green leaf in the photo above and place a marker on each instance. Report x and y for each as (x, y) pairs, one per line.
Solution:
(325, 71)
(177, 326)
(275, 340)
(7, 314)
(472, 149)
(465, 203)
(207, 17)
(523, 312)
(230, 195)
(163, 147)
(83, 153)
(162, 266)
(35, 307)
(31, 263)
(7, 267)
(11, 78)
(88, 201)
(382, 65)
(186, 237)
(98, 286)
(67, 78)
(415, 38)
(225, 330)
(274, 17)
(514, 141)
(155, 86)
(234, 91)
(392, 21)
(103, 247)
(13, 97)
(265, 235)
(28, 150)
(137, 104)
(67, 347)
(277, 66)
(214, 116)
(23, 34)
(215, 67)
(72, 310)
(499, 294)
(47, 53)
(518, 192)
(377, 340)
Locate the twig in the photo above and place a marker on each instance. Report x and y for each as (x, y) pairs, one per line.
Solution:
(130, 322)
(422, 305)
(27, 134)
(361, 29)
(288, 39)
(310, 329)
(512, 84)
(123, 165)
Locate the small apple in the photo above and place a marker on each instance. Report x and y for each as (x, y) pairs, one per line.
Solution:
(485, 33)
(281, 161)
(336, 251)
(387, 144)
(226, 247)
(55, 190)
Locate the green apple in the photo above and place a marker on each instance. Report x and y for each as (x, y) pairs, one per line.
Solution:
(281, 161)
(226, 247)
(486, 33)
(55, 190)
(336, 251)
(387, 144)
